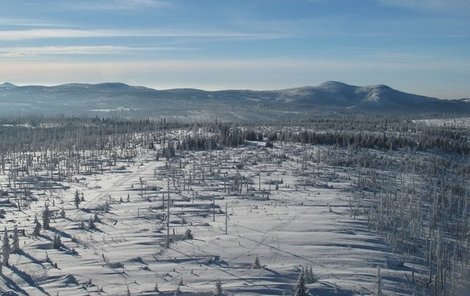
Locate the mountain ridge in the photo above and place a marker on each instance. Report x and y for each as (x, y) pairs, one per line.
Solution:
(120, 99)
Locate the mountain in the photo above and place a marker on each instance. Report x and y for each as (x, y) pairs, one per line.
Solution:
(7, 85)
(119, 99)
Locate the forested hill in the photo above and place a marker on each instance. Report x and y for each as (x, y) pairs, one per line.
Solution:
(118, 99)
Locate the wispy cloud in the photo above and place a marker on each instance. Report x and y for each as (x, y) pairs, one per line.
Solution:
(14, 35)
(460, 7)
(28, 52)
(30, 22)
(116, 4)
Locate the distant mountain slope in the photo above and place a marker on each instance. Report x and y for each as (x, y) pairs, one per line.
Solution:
(119, 99)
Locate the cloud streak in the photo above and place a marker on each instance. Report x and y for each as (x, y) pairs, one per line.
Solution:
(28, 52)
(29, 22)
(117, 4)
(15, 35)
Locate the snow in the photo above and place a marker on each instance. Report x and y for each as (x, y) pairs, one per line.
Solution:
(297, 226)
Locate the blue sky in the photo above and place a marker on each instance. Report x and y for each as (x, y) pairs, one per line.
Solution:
(420, 46)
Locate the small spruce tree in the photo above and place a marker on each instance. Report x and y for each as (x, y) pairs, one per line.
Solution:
(300, 289)
(91, 223)
(218, 289)
(37, 227)
(378, 287)
(256, 264)
(155, 289)
(188, 234)
(57, 243)
(309, 276)
(6, 250)
(16, 241)
(76, 199)
(46, 217)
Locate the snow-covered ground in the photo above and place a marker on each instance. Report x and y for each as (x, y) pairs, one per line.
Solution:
(305, 221)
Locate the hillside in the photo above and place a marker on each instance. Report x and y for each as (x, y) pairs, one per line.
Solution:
(118, 99)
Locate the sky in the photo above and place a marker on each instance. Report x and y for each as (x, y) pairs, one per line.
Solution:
(418, 46)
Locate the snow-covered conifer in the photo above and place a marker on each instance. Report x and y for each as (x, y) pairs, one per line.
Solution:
(76, 199)
(218, 289)
(256, 264)
(16, 241)
(46, 217)
(300, 289)
(6, 250)
(37, 226)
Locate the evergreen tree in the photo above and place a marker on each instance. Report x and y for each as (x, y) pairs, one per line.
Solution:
(188, 234)
(155, 289)
(218, 289)
(300, 289)
(16, 241)
(91, 223)
(313, 278)
(37, 226)
(76, 199)
(378, 288)
(46, 218)
(6, 248)
(256, 264)
(309, 276)
(57, 243)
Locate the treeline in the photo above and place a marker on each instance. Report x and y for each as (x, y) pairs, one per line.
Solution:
(382, 141)
(29, 134)
(382, 133)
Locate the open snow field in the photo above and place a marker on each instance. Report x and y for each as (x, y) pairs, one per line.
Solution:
(306, 221)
